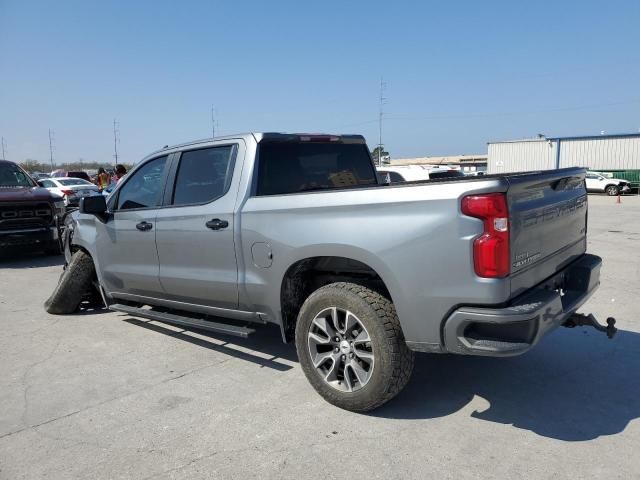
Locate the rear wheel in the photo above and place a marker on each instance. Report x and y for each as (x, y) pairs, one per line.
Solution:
(74, 285)
(612, 190)
(351, 347)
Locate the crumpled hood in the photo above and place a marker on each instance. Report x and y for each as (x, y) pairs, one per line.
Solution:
(25, 194)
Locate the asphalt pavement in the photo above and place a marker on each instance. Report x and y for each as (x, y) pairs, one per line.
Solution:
(104, 396)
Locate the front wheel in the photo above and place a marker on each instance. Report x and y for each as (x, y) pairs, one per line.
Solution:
(75, 284)
(351, 347)
(612, 190)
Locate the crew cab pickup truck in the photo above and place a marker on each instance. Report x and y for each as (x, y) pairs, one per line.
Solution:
(297, 230)
(29, 214)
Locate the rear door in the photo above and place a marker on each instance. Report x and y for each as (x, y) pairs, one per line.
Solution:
(548, 216)
(195, 230)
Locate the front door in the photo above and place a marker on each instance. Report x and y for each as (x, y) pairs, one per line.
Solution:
(126, 242)
(195, 232)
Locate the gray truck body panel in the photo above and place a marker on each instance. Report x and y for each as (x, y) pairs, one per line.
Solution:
(414, 236)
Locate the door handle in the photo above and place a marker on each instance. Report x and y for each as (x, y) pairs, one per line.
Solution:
(217, 224)
(144, 226)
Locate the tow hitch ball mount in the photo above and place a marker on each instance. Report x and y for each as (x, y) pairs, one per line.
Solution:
(578, 319)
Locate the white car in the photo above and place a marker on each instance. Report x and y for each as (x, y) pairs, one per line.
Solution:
(413, 173)
(70, 189)
(611, 186)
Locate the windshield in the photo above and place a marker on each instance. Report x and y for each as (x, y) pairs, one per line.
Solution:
(13, 176)
(68, 182)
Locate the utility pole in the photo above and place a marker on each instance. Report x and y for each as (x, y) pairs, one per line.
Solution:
(213, 122)
(381, 113)
(4, 147)
(115, 140)
(51, 149)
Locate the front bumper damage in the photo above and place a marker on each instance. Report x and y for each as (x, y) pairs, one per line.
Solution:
(516, 328)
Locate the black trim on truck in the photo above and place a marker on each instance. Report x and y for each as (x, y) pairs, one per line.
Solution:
(517, 327)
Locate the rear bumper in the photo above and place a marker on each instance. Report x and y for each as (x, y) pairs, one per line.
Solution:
(516, 328)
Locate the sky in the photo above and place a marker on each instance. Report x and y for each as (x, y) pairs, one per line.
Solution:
(457, 74)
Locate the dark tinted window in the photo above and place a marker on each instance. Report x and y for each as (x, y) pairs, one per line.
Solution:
(144, 188)
(298, 167)
(446, 174)
(390, 177)
(13, 176)
(203, 175)
(83, 175)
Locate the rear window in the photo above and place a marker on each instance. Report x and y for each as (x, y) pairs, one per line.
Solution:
(67, 182)
(79, 174)
(302, 167)
(390, 177)
(446, 174)
(203, 175)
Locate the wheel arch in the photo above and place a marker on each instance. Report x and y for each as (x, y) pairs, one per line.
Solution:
(306, 275)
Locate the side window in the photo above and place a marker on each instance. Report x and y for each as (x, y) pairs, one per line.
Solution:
(203, 175)
(144, 188)
(592, 176)
(48, 184)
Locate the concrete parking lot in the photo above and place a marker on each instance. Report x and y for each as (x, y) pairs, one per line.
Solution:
(102, 395)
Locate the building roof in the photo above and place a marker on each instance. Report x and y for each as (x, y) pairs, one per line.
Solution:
(466, 159)
(543, 138)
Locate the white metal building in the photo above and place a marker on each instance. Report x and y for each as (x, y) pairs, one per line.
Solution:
(602, 152)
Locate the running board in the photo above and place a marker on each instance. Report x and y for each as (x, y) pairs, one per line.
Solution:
(174, 319)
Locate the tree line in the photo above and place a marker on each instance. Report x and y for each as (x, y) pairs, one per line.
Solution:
(31, 166)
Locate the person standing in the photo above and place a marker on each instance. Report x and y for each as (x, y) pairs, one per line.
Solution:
(121, 171)
(102, 179)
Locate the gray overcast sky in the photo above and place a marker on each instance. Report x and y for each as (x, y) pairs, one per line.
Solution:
(458, 73)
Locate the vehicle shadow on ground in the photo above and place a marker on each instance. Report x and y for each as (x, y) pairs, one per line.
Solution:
(24, 259)
(266, 343)
(576, 385)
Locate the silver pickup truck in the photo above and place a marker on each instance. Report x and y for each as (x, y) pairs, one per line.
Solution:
(299, 231)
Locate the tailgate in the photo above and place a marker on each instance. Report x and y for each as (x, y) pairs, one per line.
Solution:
(548, 224)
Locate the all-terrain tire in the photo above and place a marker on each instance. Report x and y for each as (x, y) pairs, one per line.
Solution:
(393, 359)
(73, 285)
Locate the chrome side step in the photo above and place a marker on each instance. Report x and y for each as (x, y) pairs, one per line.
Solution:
(175, 319)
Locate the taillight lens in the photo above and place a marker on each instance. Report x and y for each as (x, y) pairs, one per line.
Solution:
(67, 192)
(491, 249)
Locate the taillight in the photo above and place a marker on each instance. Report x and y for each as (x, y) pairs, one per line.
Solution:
(491, 249)
(67, 192)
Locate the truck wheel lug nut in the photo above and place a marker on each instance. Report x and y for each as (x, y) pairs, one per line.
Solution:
(336, 349)
(343, 357)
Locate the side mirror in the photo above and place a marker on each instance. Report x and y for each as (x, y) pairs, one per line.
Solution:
(94, 205)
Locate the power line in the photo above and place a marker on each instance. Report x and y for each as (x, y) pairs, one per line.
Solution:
(492, 114)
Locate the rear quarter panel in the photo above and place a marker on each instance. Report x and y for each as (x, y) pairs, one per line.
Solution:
(413, 236)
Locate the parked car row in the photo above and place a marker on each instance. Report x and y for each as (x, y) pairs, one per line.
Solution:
(70, 189)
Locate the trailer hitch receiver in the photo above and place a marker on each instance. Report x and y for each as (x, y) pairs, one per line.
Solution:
(578, 319)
